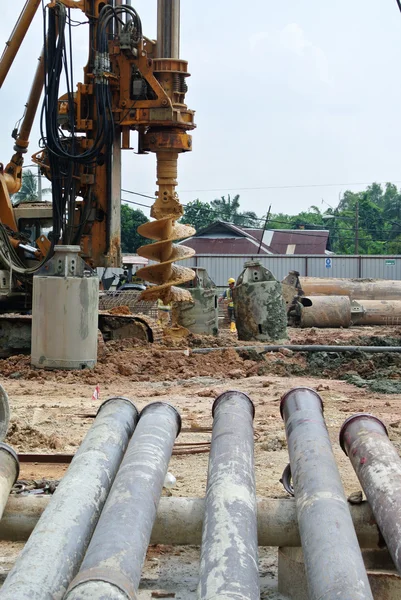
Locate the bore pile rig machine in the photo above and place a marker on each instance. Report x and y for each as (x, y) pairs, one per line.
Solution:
(130, 83)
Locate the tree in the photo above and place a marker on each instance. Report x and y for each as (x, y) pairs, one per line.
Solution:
(201, 214)
(228, 210)
(29, 188)
(130, 221)
(280, 221)
(198, 214)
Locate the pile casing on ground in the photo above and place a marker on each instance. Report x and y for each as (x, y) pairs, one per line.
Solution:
(340, 311)
(259, 305)
(356, 289)
(200, 316)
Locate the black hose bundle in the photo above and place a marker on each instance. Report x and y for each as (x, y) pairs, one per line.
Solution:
(65, 154)
(63, 150)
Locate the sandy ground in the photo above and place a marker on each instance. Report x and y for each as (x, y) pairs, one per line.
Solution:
(50, 414)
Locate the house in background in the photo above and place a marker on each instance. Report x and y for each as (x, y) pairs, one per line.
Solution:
(225, 238)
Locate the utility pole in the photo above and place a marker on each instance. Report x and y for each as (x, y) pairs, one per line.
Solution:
(264, 228)
(357, 228)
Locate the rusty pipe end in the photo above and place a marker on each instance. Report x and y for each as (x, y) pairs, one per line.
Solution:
(113, 398)
(227, 394)
(352, 419)
(13, 454)
(154, 405)
(294, 390)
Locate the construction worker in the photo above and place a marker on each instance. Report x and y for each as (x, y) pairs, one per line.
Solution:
(228, 297)
(122, 279)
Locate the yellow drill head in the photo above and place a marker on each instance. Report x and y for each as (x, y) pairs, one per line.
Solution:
(167, 209)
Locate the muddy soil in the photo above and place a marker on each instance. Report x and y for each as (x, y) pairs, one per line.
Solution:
(52, 411)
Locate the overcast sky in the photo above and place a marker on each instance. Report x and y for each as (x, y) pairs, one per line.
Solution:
(286, 93)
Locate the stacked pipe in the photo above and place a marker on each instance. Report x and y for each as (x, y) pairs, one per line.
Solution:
(377, 464)
(179, 521)
(54, 551)
(113, 562)
(229, 554)
(92, 537)
(9, 463)
(333, 561)
(117, 475)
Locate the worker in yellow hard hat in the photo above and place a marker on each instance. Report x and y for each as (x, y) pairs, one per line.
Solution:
(228, 297)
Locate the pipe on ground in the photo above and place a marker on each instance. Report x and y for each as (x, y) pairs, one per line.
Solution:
(9, 471)
(356, 289)
(333, 560)
(229, 552)
(377, 464)
(54, 551)
(302, 348)
(113, 562)
(4, 413)
(179, 521)
(376, 312)
(339, 311)
(326, 311)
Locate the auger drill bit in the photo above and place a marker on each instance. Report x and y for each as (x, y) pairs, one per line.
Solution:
(164, 230)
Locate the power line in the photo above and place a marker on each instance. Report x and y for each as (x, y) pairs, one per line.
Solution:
(136, 203)
(286, 187)
(138, 194)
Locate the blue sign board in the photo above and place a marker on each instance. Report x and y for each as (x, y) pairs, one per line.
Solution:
(329, 263)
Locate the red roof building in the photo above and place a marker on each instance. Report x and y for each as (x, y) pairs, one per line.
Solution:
(225, 238)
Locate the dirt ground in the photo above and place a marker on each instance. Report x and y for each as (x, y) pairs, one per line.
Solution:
(51, 410)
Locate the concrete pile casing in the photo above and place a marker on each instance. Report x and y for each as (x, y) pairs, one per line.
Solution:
(259, 305)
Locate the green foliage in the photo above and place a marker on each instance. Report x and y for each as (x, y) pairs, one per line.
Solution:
(130, 221)
(378, 210)
(29, 188)
(201, 214)
(228, 210)
(198, 214)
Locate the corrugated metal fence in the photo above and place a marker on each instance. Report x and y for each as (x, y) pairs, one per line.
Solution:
(220, 268)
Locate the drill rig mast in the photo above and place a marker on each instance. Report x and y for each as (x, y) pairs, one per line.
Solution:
(131, 83)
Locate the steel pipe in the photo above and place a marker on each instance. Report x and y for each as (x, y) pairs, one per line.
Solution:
(9, 471)
(377, 464)
(333, 560)
(54, 551)
(229, 553)
(376, 312)
(168, 29)
(179, 521)
(113, 562)
(302, 348)
(340, 311)
(4, 413)
(326, 311)
(356, 289)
